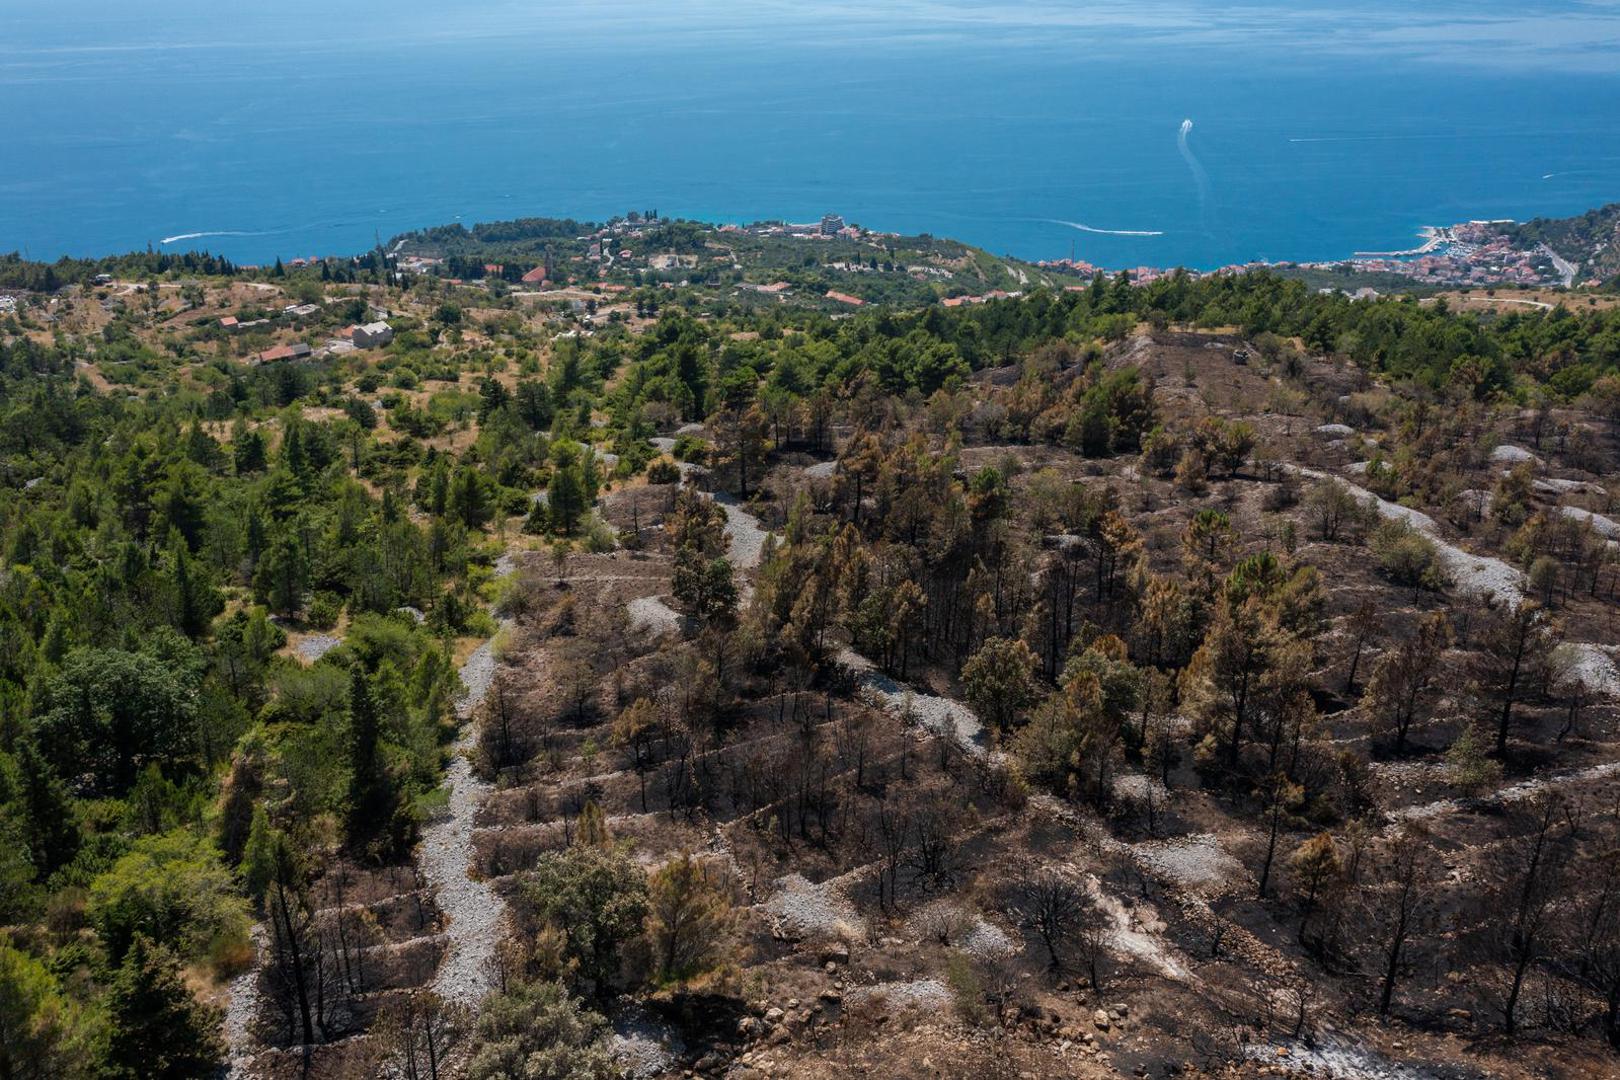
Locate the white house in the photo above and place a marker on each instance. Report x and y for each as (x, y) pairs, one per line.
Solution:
(373, 335)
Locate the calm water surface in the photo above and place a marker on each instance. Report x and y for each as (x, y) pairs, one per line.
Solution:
(311, 128)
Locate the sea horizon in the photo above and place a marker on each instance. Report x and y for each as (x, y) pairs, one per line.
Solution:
(1188, 134)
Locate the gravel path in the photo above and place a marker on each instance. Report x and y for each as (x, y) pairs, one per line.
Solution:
(938, 714)
(1139, 932)
(1135, 930)
(1136, 788)
(1507, 454)
(1482, 576)
(1476, 575)
(644, 1047)
(1524, 789)
(473, 910)
(476, 675)
(1592, 666)
(987, 941)
(1129, 936)
(804, 910)
(1553, 485)
(744, 538)
(1331, 1058)
(929, 995)
(312, 648)
(970, 932)
(1607, 528)
(240, 1006)
(1196, 863)
(652, 614)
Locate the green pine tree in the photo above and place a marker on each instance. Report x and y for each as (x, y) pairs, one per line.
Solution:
(248, 451)
(293, 453)
(196, 602)
(565, 499)
(438, 501)
(279, 580)
(259, 855)
(471, 500)
(201, 447)
(376, 816)
(50, 825)
(159, 1029)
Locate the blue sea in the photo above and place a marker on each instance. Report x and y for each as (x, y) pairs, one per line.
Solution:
(1126, 133)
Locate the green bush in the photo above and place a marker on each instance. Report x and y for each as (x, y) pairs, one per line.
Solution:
(663, 471)
(599, 535)
(1407, 557)
(691, 448)
(596, 899)
(323, 610)
(967, 990)
(174, 889)
(536, 1031)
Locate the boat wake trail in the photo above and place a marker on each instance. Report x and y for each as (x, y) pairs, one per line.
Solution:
(1103, 232)
(178, 237)
(175, 239)
(1200, 177)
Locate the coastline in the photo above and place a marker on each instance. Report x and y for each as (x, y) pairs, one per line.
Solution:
(1434, 237)
(1473, 253)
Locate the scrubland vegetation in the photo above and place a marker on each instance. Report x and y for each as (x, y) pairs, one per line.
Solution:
(1210, 677)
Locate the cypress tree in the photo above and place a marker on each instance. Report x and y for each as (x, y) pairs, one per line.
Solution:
(258, 855)
(201, 447)
(369, 795)
(195, 601)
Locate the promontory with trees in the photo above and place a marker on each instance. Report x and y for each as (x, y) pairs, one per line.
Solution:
(722, 656)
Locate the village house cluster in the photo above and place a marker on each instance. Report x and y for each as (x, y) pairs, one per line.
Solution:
(371, 335)
(1474, 253)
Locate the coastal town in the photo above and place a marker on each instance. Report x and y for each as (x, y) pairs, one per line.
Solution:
(1472, 254)
(1481, 254)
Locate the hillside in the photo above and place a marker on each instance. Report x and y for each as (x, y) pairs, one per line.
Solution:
(763, 264)
(1208, 677)
(1591, 241)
